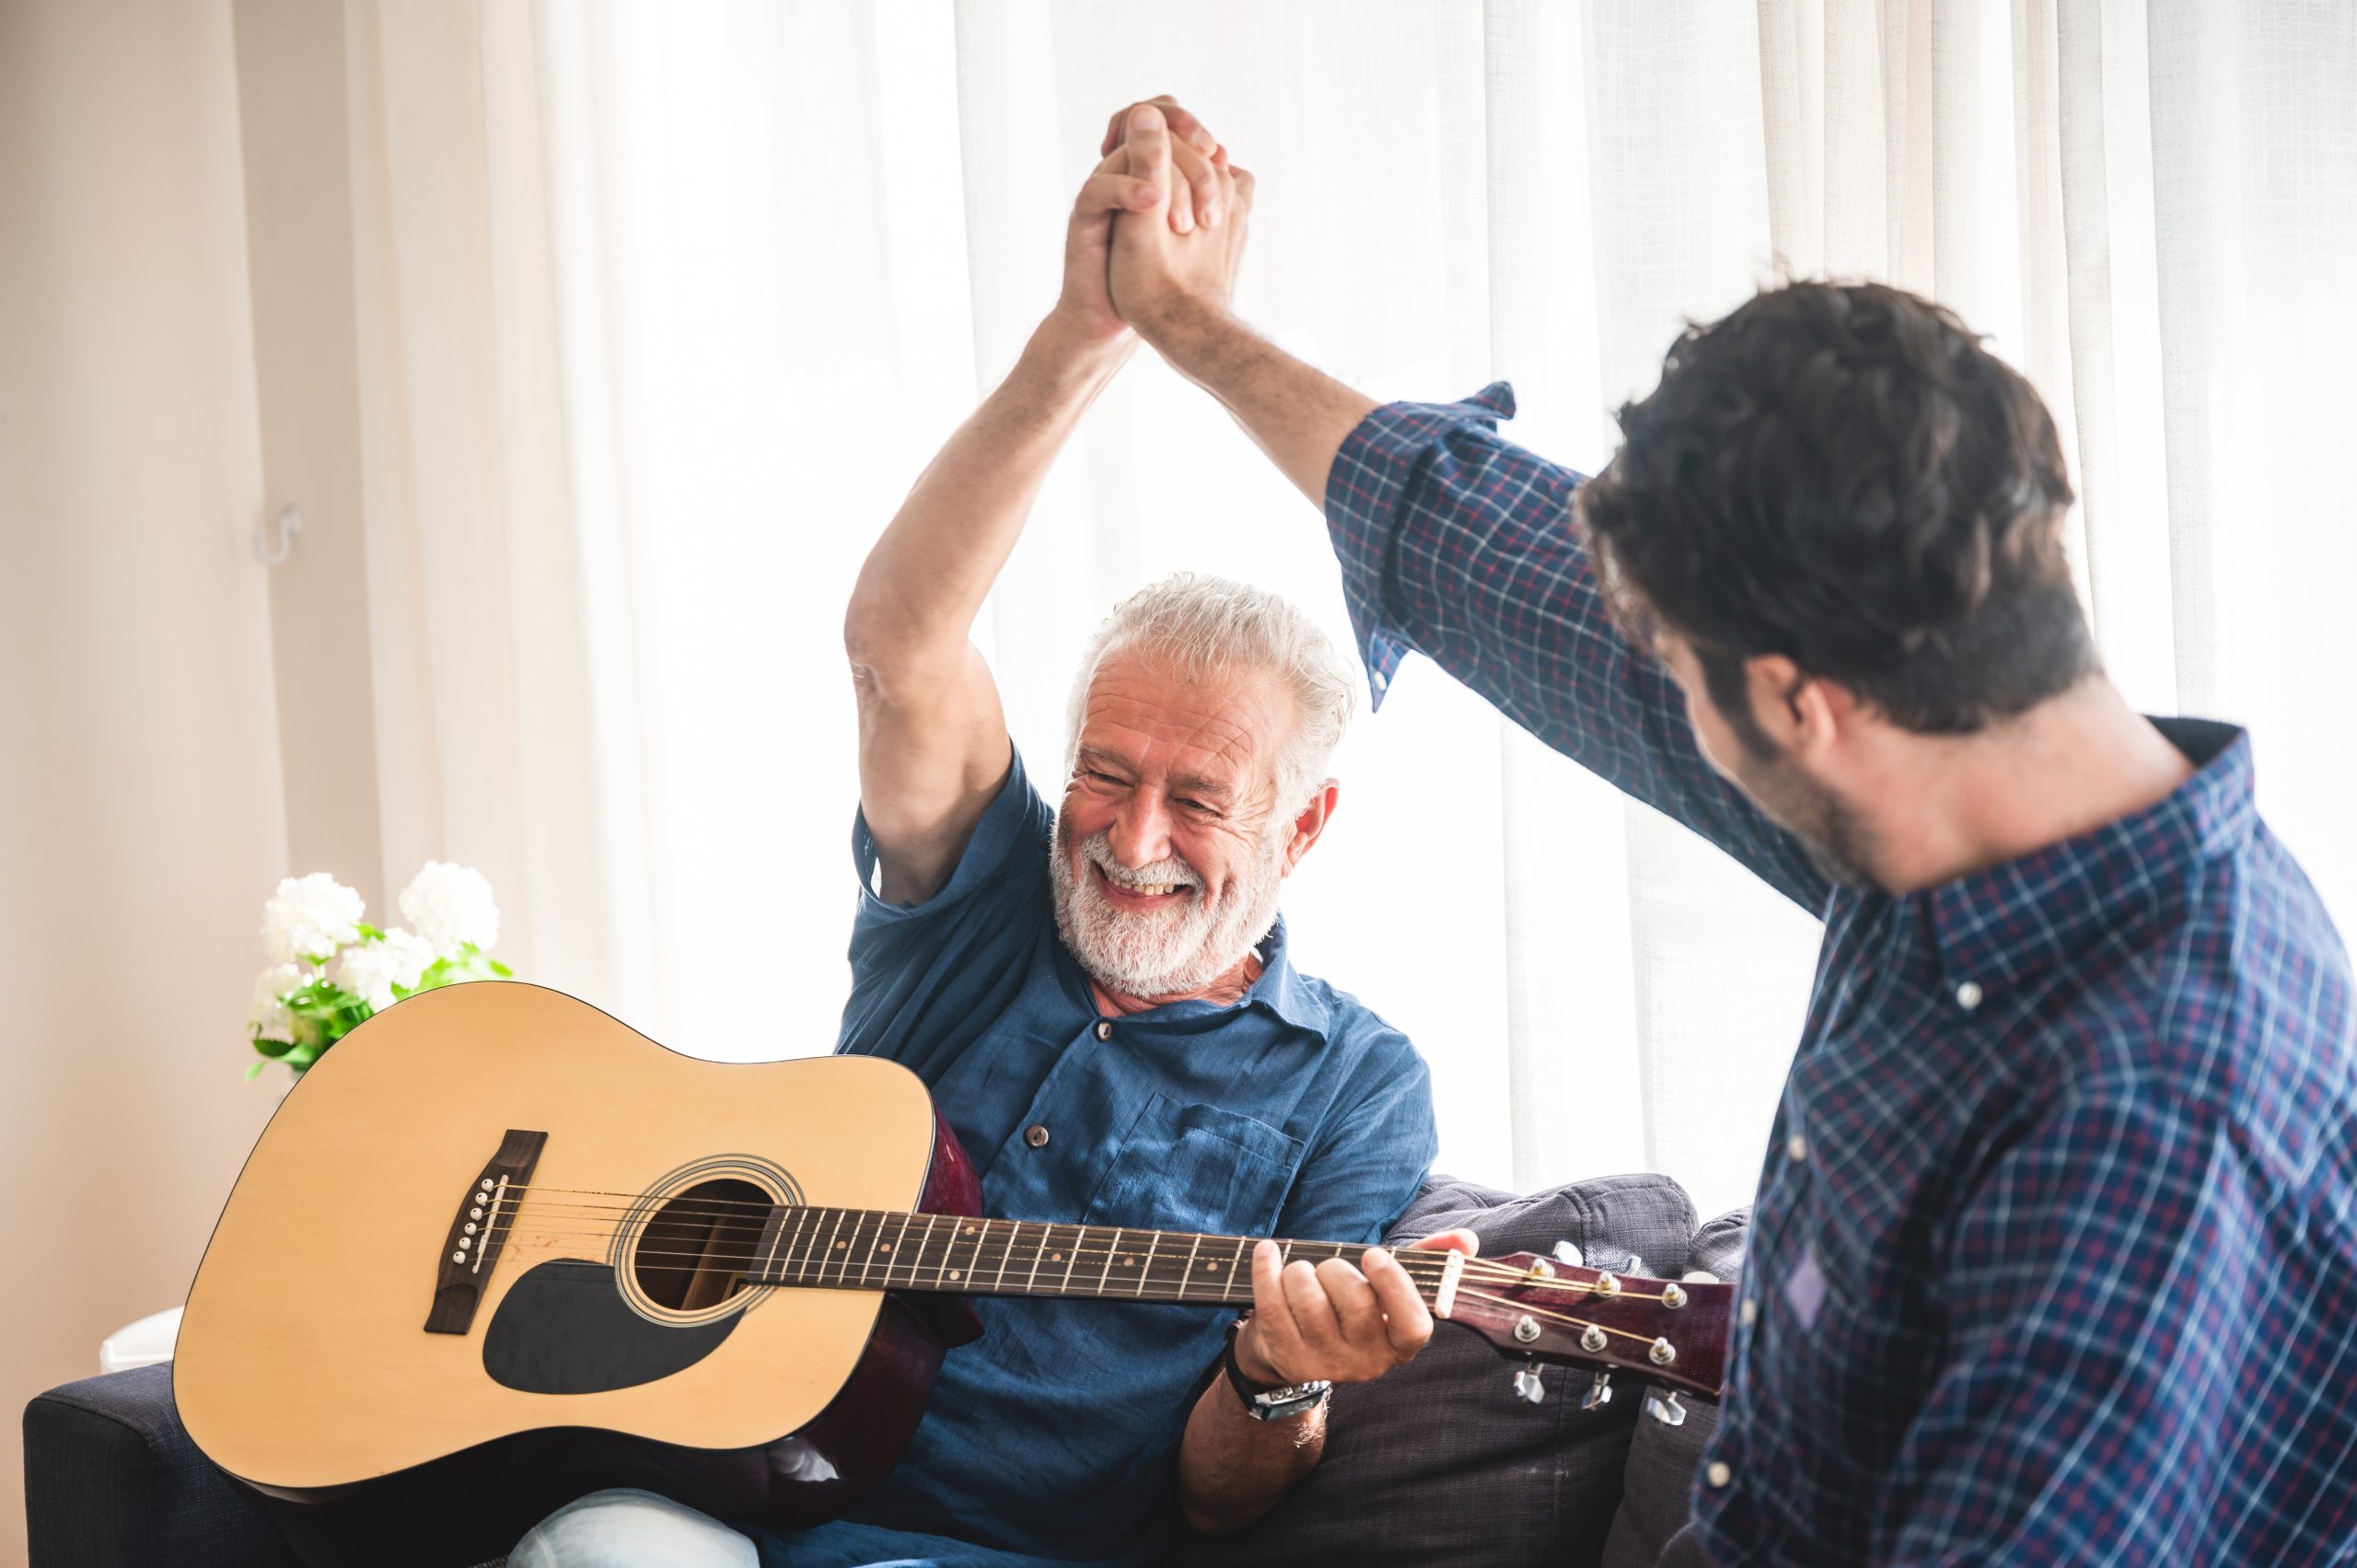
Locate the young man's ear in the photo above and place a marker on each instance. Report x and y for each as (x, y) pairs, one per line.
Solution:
(1803, 714)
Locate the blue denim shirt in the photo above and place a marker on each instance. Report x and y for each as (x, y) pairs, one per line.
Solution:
(1296, 1112)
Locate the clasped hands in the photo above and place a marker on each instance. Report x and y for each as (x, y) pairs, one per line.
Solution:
(1157, 231)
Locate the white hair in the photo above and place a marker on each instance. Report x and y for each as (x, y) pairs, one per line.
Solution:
(1206, 627)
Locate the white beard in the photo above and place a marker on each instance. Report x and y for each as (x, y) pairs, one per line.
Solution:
(1170, 952)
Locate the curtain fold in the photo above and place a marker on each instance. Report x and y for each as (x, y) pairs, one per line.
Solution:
(664, 308)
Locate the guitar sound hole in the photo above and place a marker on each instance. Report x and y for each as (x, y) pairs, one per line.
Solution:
(696, 1251)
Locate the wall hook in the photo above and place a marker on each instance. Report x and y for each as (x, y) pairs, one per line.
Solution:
(284, 526)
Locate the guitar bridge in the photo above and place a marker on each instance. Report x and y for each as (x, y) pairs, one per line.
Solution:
(471, 1252)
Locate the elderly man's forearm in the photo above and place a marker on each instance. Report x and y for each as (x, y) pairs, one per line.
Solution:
(1232, 1469)
(1295, 412)
(927, 577)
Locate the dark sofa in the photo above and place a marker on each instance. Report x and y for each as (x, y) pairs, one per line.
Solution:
(1439, 1463)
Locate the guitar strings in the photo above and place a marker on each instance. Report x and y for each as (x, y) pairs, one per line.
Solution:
(687, 1209)
(714, 1208)
(1418, 1265)
(1432, 1260)
(1556, 1317)
(815, 1276)
(842, 1281)
(1414, 1259)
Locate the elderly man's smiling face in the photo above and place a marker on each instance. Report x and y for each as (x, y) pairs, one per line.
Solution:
(1172, 843)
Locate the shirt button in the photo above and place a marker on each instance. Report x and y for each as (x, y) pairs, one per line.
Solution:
(1718, 1475)
(1036, 1135)
(1967, 996)
(1104, 1029)
(1796, 1146)
(1748, 1312)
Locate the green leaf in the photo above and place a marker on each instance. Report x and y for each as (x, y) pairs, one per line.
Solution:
(253, 1070)
(368, 932)
(502, 971)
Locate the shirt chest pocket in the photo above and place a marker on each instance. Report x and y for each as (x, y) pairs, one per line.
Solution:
(1187, 1166)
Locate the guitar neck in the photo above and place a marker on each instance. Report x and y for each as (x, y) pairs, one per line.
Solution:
(966, 1255)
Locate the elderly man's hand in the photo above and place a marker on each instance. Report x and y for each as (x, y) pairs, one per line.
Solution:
(1334, 1323)
(1181, 255)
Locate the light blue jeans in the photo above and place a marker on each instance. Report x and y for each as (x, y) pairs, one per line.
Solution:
(625, 1527)
(630, 1529)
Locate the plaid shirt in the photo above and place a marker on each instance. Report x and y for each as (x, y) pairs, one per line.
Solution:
(2054, 1259)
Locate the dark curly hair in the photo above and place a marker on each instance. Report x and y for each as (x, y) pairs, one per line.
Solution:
(1845, 476)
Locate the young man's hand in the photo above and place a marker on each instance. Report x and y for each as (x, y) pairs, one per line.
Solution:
(1333, 1323)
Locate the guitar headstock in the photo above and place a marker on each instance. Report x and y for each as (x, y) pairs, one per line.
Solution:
(1669, 1329)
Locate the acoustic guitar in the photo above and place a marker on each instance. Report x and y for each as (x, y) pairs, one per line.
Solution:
(497, 1250)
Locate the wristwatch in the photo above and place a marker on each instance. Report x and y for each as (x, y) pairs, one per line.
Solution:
(1285, 1402)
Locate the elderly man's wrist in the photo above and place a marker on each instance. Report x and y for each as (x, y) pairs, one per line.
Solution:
(1253, 1364)
(1064, 350)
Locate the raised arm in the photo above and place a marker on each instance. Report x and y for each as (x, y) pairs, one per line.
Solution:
(1453, 541)
(933, 740)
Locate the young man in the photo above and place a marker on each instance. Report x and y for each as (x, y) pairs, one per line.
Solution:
(1102, 1000)
(2056, 1240)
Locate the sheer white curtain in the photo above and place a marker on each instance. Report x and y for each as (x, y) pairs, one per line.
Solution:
(663, 307)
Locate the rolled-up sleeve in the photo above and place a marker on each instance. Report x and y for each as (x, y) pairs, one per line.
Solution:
(1458, 544)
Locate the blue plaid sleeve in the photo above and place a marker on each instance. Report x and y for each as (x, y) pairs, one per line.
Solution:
(1459, 545)
(2108, 1292)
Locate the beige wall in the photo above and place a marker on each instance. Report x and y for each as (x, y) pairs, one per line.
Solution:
(141, 820)
(291, 104)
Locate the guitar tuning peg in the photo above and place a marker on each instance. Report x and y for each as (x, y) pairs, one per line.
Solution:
(1599, 1393)
(1635, 1265)
(1665, 1407)
(1567, 1253)
(1528, 1387)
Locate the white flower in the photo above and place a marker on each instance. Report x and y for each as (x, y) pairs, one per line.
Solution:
(310, 918)
(269, 1018)
(451, 906)
(370, 969)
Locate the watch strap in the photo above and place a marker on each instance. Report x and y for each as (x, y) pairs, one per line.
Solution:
(1262, 1402)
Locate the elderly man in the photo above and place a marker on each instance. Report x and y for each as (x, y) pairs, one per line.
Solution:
(1102, 1000)
(2057, 1228)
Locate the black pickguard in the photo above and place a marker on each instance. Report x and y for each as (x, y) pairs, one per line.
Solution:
(565, 1329)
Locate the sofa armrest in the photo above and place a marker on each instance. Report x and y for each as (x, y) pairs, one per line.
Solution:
(111, 1480)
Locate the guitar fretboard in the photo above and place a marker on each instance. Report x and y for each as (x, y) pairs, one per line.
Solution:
(874, 1250)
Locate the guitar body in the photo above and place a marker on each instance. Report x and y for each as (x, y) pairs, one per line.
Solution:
(410, 1385)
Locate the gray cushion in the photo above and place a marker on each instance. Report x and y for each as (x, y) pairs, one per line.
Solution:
(1657, 1488)
(1439, 1462)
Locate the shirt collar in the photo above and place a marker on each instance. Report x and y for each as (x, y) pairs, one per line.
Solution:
(1281, 991)
(2007, 921)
